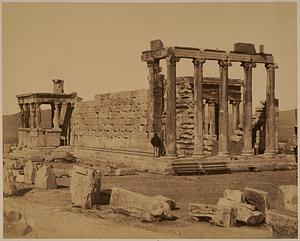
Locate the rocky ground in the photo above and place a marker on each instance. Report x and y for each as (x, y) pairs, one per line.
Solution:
(51, 215)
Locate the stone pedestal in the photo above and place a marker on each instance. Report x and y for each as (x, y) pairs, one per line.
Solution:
(53, 137)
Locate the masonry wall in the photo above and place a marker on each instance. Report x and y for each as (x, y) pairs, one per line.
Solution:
(116, 121)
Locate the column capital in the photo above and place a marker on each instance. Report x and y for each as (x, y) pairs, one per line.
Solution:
(224, 63)
(248, 65)
(198, 62)
(271, 66)
(171, 60)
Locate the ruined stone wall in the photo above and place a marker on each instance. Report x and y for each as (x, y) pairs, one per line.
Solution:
(185, 117)
(116, 121)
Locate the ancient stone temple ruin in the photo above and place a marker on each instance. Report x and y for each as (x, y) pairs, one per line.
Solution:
(192, 115)
(31, 133)
(242, 53)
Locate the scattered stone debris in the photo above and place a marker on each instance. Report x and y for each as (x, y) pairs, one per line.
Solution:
(219, 215)
(283, 220)
(288, 198)
(60, 155)
(9, 187)
(250, 206)
(29, 172)
(123, 171)
(283, 223)
(171, 202)
(45, 178)
(245, 212)
(148, 209)
(85, 186)
(20, 178)
(15, 224)
(258, 198)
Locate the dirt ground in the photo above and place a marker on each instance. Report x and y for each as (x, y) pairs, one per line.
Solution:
(51, 215)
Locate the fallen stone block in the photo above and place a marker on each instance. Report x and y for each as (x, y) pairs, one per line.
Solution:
(244, 213)
(225, 216)
(258, 198)
(284, 224)
(15, 224)
(20, 178)
(234, 195)
(45, 178)
(146, 208)
(85, 186)
(9, 187)
(200, 210)
(287, 198)
(29, 172)
(124, 171)
(171, 202)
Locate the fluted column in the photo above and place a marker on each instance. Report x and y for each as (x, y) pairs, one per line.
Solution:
(212, 122)
(56, 118)
(206, 117)
(171, 107)
(38, 115)
(223, 108)
(237, 114)
(198, 108)
(270, 109)
(233, 117)
(22, 116)
(155, 108)
(247, 110)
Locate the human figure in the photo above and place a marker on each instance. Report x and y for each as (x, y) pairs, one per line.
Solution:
(156, 143)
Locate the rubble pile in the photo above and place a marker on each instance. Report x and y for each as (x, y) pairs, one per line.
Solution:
(247, 207)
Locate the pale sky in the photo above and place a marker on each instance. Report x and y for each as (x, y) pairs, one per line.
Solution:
(96, 47)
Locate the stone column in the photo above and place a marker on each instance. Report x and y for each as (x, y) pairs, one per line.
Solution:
(56, 118)
(223, 108)
(22, 116)
(276, 125)
(237, 113)
(212, 122)
(154, 110)
(206, 118)
(171, 107)
(32, 115)
(38, 115)
(198, 108)
(233, 117)
(247, 110)
(270, 109)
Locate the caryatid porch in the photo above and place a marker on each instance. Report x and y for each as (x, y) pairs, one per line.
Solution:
(30, 132)
(243, 53)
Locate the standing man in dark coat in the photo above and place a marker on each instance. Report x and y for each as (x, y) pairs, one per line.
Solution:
(156, 143)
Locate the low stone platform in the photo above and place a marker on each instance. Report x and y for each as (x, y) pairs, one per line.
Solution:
(163, 165)
(138, 160)
(143, 161)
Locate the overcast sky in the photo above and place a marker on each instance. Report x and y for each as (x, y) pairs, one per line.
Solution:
(96, 47)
